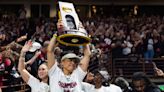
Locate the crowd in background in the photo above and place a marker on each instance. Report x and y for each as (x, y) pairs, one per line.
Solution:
(112, 37)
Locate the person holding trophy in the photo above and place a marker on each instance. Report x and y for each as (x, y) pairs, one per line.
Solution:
(72, 70)
(68, 76)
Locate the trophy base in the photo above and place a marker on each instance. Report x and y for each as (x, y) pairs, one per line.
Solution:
(73, 40)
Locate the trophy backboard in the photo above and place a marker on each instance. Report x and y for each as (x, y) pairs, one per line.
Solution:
(69, 15)
(72, 35)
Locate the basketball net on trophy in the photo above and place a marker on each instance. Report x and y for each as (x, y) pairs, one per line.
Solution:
(72, 35)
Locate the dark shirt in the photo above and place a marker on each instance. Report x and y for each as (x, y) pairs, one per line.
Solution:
(152, 89)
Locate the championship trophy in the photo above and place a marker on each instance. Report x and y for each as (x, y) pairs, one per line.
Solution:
(72, 35)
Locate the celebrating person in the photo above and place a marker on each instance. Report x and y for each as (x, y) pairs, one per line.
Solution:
(37, 85)
(97, 85)
(72, 70)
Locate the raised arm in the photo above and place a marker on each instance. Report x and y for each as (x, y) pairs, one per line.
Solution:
(50, 52)
(84, 63)
(21, 65)
(11, 45)
(22, 38)
(33, 59)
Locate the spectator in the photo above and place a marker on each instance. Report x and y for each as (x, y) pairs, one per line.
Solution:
(32, 58)
(141, 83)
(117, 45)
(37, 85)
(22, 13)
(149, 46)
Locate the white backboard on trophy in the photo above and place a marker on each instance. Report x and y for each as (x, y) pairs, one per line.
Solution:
(69, 15)
(72, 35)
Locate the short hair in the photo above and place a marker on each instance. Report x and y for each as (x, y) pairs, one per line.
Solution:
(137, 76)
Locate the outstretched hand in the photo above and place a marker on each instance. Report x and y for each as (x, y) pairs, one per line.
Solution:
(159, 72)
(27, 46)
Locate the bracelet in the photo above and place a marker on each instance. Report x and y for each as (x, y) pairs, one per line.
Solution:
(55, 35)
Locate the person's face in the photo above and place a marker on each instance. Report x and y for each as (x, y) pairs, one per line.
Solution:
(43, 71)
(70, 23)
(2, 37)
(139, 85)
(118, 35)
(69, 65)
